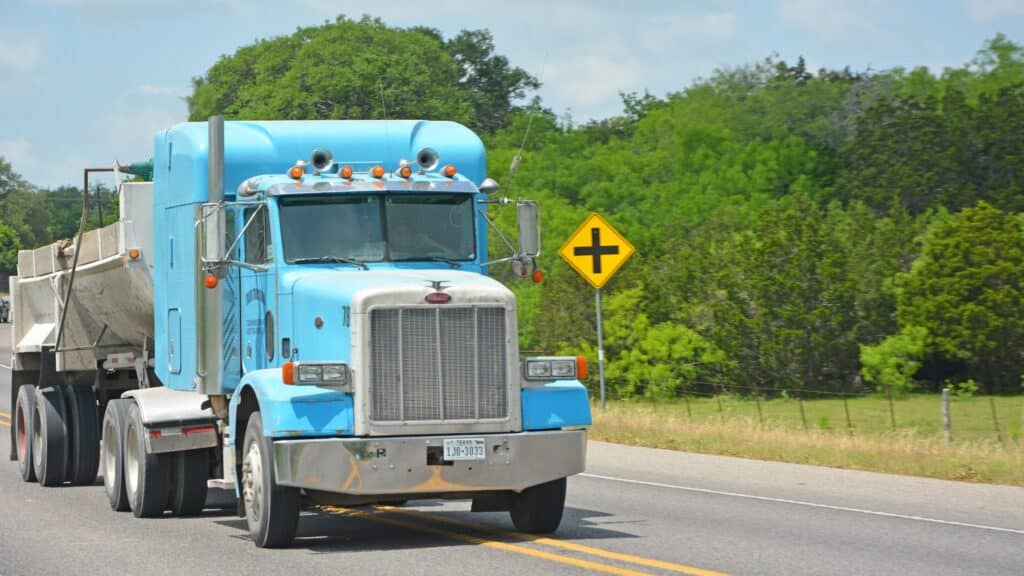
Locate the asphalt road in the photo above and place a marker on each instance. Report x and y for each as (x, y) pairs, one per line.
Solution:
(635, 511)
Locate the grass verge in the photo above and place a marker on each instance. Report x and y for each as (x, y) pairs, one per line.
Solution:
(916, 446)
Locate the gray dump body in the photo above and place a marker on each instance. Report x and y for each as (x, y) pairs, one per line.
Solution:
(111, 306)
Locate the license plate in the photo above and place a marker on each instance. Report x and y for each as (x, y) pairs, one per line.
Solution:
(465, 449)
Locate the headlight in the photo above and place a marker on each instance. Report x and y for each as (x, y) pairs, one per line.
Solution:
(551, 368)
(310, 373)
(335, 375)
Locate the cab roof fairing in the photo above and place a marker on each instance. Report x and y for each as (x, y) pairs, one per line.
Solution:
(264, 148)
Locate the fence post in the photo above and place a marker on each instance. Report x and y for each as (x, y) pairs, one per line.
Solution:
(721, 413)
(892, 409)
(947, 422)
(757, 399)
(995, 418)
(849, 423)
(686, 399)
(803, 415)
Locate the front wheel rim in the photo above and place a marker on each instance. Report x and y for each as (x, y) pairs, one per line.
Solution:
(252, 480)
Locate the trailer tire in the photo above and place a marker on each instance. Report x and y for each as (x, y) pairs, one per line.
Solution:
(50, 437)
(146, 476)
(189, 472)
(271, 511)
(114, 419)
(83, 434)
(538, 509)
(24, 435)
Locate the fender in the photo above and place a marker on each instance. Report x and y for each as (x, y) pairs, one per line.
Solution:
(293, 411)
(554, 405)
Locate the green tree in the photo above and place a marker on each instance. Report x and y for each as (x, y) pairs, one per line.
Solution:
(893, 362)
(967, 290)
(364, 69)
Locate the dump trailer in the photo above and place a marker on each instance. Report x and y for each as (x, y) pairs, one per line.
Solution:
(300, 312)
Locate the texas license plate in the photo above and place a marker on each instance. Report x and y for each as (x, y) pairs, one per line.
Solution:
(464, 449)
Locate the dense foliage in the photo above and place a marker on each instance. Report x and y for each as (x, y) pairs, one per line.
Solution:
(796, 230)
(364, 69)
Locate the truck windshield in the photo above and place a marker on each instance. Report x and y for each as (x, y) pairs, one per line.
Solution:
(377, 227)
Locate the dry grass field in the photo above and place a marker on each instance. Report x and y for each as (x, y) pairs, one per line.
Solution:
(916, 446)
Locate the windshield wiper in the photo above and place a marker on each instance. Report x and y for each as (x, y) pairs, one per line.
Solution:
(449, 261)
(333, 259)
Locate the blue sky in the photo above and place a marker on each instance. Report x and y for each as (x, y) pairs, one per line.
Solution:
(87, 82)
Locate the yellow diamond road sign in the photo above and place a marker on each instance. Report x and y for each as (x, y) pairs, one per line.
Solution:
(596, 250)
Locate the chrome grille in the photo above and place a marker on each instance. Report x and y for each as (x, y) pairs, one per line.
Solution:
(438, 363)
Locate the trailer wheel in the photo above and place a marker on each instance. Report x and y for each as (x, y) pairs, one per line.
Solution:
(114, 420)
(84, 434)
(538, 509)
(271, 511)
(146, 476)
(24, 435)
(50, 439)
(189, 472)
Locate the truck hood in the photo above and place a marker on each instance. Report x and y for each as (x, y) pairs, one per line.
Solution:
(326, 302)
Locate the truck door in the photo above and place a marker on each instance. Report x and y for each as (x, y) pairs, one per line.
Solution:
(258, 293)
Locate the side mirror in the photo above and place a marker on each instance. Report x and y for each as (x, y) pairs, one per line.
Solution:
(528, 214)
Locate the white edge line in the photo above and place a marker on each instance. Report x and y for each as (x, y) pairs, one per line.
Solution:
(5, 366)
(801, 503)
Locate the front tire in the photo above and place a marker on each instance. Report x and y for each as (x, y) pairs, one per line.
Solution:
(271, 511)
(538, 509)
(50, 437)
(24, 432)
(147, 476)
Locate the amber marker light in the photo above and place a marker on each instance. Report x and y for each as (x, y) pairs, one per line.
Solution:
(405, 172)
(538, 276)
(288, 373)
(210, 281)
(581, 367)
(449, 170)
(296, 172)
(346, 172)
(134, 254)
(378, 171)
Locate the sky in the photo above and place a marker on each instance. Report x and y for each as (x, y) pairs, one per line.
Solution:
(89, 82)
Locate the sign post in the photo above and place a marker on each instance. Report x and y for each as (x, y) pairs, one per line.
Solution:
(596, 251)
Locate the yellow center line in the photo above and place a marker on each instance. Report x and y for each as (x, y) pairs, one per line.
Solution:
(5, 415)
(640, 560)
(514, 548)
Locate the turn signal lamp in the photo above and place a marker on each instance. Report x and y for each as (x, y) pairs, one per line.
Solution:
(378, 171)
(581, 367)
(538, 276)
(346, 172)
(210, 281)
(449, 170)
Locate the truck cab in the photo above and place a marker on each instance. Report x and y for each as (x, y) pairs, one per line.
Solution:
(334, 300)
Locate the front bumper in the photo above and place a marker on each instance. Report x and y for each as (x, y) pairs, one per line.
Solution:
(398, 465)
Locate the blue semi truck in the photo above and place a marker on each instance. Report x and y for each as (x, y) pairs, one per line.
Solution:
(300, 311)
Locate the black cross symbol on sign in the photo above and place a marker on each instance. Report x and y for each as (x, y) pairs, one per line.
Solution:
(595, 249)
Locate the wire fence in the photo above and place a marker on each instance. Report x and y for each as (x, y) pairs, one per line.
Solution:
(949, 415)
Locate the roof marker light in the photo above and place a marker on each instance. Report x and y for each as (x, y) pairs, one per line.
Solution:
(449, 170)
(346, 172)
(378, 171)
